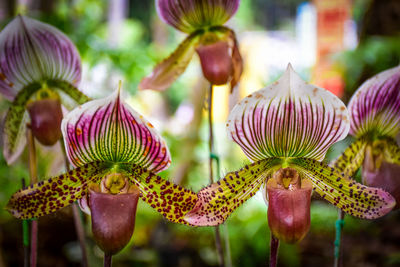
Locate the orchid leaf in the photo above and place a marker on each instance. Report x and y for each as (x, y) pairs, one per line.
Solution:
(351, 159)
(109, 130)
(217, 201)
(15, 124)
(346, 194)
(166, 72)
(32, 51)
(375, 106)
(290, 118)
(55, 193)
(191, 15)
(170, 200)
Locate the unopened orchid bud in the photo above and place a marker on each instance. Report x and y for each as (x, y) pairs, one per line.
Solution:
(289, 200)
(46, 116)
(216, 62)
(378, 172)
(113, 218)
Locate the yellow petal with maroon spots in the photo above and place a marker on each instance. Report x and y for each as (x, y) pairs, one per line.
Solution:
(217, 201)
(55, 193)
(169, 199)
(346, 194)
(351, 159)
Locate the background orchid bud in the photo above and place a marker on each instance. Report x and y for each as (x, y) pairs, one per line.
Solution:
(46, 116)
(216, 62)
(216, 44)
(289, 205)
(113, 218)
(378, 172)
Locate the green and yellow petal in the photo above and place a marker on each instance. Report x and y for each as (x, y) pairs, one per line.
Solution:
(14, 131)
(55, 193)
(351, 159)
(217, 201)
(353, 198)
(166, 72)
(392, 151)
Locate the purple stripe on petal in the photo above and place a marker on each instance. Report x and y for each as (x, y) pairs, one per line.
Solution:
(288, 119)
(375, 106)
(32, 51)
(191, 15)
(109, 130)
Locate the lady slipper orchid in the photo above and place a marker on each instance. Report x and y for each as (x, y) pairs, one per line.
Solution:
(116, 154)
(215, 44)
(39, 70)
(286, 129)
(375, 123)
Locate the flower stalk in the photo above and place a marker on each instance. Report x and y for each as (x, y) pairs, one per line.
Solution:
(25, 235)
(80, 231)
(107, 260)
(273, 252)
(33, 180)
(338, 240)
(218, 243)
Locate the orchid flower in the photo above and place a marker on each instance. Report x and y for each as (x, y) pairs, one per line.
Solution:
(39, 69)
(116, 154)
(215, 44)
(286, 130)
(375, 123)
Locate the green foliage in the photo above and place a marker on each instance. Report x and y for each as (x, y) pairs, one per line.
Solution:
(372, 56)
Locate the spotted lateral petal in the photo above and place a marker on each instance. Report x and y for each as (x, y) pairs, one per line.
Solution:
(166, 72)
(191, 15)
(351, 159)
(217, 201)
(55, 193)
(109, 130)
(346, 194)
(14, 129)
(32, 51)
(290, 118)
(170, 200)
(375, 106)
(392, 151)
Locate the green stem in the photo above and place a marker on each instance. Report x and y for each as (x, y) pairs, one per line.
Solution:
(218, 243)
(80, 230)
(338, 241)
(33, 180)
(227, 246)
(25, 235)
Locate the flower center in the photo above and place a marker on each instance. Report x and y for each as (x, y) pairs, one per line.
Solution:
(287, 178)
(114, 183)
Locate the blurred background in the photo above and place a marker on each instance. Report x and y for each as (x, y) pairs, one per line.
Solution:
(335, 44)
